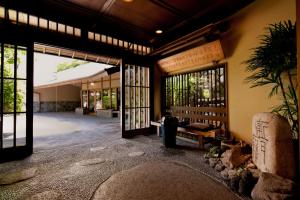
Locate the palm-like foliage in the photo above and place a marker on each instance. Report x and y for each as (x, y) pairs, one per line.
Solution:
(274, 63)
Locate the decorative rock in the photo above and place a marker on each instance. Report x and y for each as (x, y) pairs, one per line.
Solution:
(94, 161)
(135, 154)
(255, 173)
(233, 157)
(272, 145)
(97, 148)
(224, 174)
(246, 183)
(213, 162)
(167, 180)
(250, 166)
(232, 173)
(18, 176)
(270, 186)
(234, 183)
(219, 166)
(46, 195)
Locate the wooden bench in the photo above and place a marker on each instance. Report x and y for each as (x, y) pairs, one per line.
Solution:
(196, 135)
(217, 116)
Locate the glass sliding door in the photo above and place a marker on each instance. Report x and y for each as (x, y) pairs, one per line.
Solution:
(136, 100)
(15, 100)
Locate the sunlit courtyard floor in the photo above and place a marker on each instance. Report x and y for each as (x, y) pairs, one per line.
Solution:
(74, 163)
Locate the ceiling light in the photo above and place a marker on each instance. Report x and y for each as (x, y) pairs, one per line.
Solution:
(128, 1)
(158, 31)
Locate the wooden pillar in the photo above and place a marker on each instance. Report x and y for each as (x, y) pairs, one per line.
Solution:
(298, 67)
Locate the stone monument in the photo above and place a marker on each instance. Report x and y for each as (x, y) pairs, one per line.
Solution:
(272, 145)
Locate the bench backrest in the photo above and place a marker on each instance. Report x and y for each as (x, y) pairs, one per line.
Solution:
(216, 116)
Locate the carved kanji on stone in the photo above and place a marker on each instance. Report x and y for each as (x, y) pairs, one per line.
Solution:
(272, 147)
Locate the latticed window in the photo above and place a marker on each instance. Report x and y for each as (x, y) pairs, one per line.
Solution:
(204, 88)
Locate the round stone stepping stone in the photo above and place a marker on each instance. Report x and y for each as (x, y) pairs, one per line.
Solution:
(97, 148)
(136, 153)
(87, 162)
(46, 195)
(17, 176)
(167, 181)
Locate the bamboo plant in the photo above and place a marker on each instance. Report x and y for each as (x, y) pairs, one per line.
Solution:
(274, 63)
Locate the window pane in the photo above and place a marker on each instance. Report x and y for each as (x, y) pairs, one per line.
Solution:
(52, 25)
(142, 120)
(22, 59)
(125, 44)
(33, 20)
(8, 131)
(21, 96)
(70, 30)
(77, 32)
(103, 38)
(43, 23)
(142, 76)
(137, 97)
(12, 14)
(98, 100)
(91, 101)
(23, 18)
(127, 95)
(137, 76)
(84, 99)
(61, 28)
(142, 97)
(97, 37)
(109, 40)
(132, 97)
(120, 43)
(146, 76)
(147, 97)
(127, 119)
(2, 12)
(106, 99)
(21, 130)
(8, 95)
(148, 117)
(115, 42)
(132, 75)
(126, 75)
(114, 99)
(9, 55)
(137, 118)
(132, 116)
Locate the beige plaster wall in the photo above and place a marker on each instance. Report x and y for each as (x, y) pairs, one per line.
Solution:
(246, 26)
(64, 93)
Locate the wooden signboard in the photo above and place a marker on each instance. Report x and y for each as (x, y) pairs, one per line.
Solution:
(197, 56)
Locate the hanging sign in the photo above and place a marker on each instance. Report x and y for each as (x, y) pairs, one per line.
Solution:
(197, 56)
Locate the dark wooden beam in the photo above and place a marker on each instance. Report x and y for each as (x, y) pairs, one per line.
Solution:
(169, 7)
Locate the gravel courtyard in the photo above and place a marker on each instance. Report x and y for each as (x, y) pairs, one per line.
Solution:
(82, 153)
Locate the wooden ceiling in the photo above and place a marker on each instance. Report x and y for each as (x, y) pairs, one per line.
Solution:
(137, 20)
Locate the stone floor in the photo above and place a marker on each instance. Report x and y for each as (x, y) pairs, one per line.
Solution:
(74, 164)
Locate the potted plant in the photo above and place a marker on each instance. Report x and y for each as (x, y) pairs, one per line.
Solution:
(274, 63)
